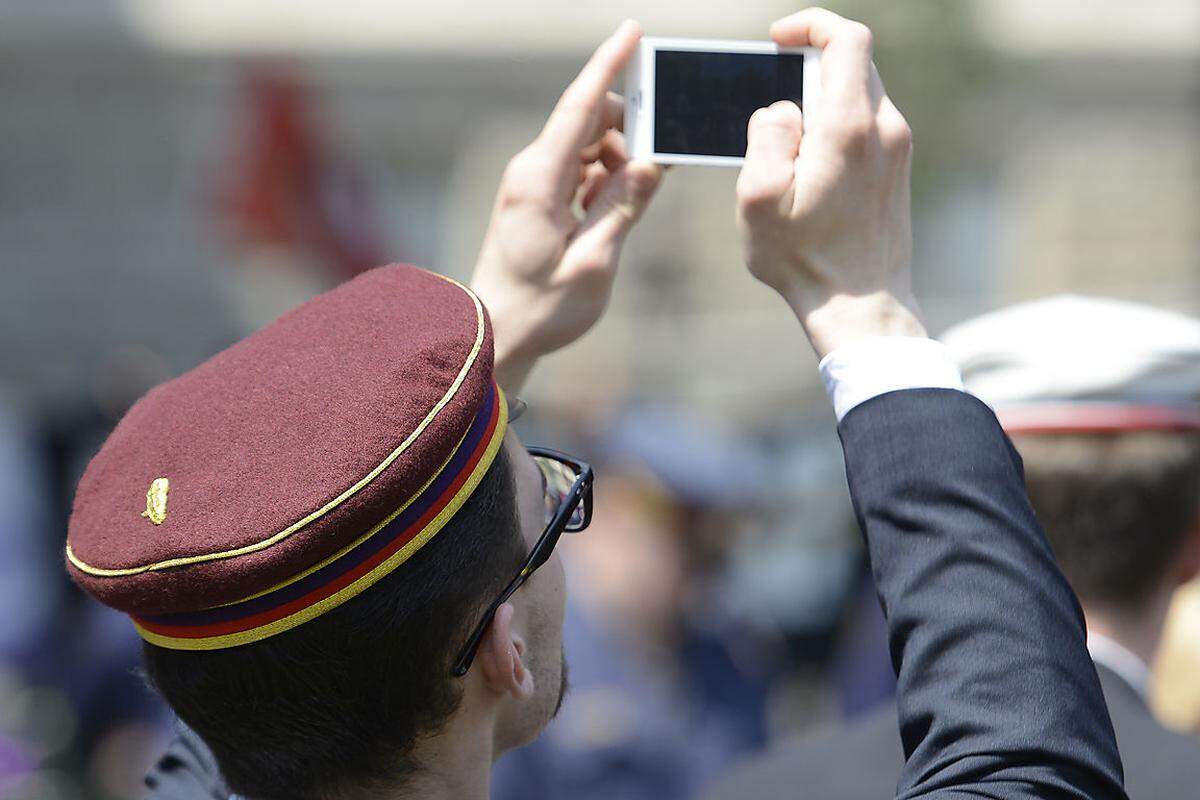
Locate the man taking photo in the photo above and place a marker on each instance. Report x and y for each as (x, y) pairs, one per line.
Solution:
(342, 560)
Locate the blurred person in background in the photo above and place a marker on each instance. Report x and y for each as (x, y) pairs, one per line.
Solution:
(27, 566)
(1102, 400)
(668, 685)
(690, 491)
(74, 719)
(28, 577)
(825, 222)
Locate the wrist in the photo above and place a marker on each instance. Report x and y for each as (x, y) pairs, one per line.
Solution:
(512, 355)
(840, 319)
(512, 374)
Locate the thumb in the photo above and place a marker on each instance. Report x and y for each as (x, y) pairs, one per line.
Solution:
(772, 145)
(621, 201)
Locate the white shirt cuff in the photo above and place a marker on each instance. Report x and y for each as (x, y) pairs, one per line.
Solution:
(857, 372)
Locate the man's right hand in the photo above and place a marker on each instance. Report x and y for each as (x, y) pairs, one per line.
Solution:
(545, 273)
(823, 200)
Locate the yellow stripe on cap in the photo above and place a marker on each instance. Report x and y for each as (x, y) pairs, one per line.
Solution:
(361, 584)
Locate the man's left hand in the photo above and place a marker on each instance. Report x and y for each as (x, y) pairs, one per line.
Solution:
(545, 272)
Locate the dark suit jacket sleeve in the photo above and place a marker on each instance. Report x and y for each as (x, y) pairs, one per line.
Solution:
(997, 695)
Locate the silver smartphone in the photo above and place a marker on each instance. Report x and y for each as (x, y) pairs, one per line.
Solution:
(688, 101)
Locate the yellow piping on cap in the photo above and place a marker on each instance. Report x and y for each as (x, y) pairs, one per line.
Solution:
(223, 641)
(103, 572)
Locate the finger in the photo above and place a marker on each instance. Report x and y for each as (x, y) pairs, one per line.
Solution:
(611, 158)
(845, 45)
(590, 153)
(608, 124)
(774, 132)
(576, 118)
(612, 151)
(616, 207)
(772, 146)
(614, 112)
(593, 181)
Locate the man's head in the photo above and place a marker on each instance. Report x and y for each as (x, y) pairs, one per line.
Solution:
(334, 506)
(1121, 510)
(1102, 399)
(349, 701)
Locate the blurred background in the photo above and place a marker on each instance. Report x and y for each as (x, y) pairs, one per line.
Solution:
(176, 173)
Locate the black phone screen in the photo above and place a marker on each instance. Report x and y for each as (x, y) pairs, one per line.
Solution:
(703, 101)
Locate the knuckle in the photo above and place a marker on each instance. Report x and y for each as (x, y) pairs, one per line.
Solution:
(642, 184)
(516, 169)
(900, 139)
(862, 34)
(894, 132)
(855, 134)
(521, 177)
(757, 194)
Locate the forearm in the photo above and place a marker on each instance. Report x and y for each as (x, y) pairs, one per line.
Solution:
(997, 695)
(513, 370)
(517, 347)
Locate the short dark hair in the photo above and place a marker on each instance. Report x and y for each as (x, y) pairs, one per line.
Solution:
(1117, 507)
(338, 702)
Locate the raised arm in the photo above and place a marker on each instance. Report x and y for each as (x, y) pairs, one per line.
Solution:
(997, 695)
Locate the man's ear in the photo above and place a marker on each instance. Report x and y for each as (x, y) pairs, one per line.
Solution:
(500, 656)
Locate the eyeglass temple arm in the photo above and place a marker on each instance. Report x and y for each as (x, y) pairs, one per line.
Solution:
(467, 655)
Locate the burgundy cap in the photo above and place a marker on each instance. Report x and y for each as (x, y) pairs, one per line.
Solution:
(290, 472)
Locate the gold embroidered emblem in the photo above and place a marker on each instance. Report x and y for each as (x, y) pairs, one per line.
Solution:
(156, 500)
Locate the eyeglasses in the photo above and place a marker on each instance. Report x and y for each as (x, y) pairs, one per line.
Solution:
(567, 489)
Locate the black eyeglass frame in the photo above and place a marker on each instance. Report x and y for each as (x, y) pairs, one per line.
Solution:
(580, 492)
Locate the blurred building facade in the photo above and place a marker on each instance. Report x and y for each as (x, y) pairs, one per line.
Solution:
(1079, 170)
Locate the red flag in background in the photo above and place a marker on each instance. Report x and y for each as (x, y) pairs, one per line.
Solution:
(288, 189)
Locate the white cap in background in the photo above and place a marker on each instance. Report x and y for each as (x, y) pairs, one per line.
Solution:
(1076, 364)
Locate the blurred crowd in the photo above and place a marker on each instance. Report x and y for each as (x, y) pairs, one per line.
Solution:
(720, 602)
(715, 610)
